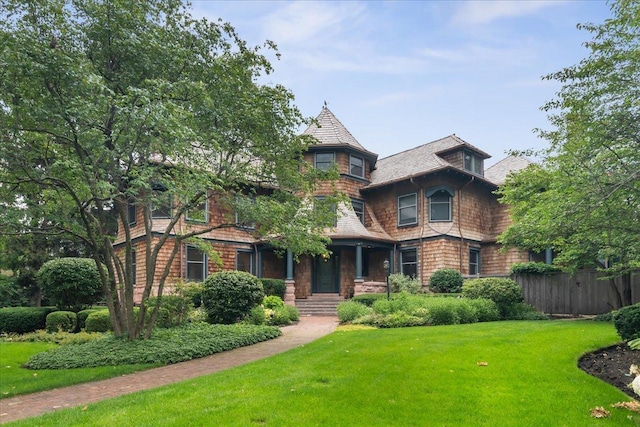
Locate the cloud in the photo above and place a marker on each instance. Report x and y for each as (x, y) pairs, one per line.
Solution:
(484, 12)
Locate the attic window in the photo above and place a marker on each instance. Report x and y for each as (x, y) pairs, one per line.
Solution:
(473, 163)
(356, 166)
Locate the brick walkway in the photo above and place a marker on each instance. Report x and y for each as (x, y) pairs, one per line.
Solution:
(30, 405)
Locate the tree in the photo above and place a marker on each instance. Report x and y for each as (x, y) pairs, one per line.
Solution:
(583, 200)
(106, 103)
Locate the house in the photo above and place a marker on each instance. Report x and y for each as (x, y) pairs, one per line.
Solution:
(420, 210)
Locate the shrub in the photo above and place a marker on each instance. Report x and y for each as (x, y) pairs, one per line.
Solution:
(605, 317)
(174, 310)
(20, 320)
(368, 299)
(272, 302)
(533, 268)
(524, 311)
(392, 320)
(198, 315)
(229, 296)
(12, 294)
(446, 280)
(81, 317)
(504, 292)
(70, 283)
(275, 287)
(59, 337)
(348, 311)
(98, 321)
(627, 322)
(486, 310)
(280, 317)
(400, 302)
(257, 316)
(294, 313)
(443, 311)
(400, 283)
(65, 321)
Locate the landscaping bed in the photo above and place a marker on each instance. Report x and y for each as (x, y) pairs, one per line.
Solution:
(611, 364)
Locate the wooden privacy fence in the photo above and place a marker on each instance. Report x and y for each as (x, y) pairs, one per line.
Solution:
(581, 293)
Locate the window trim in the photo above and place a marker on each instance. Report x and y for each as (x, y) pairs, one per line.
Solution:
(168, 205)
(432, 192)
(402, 263)
(329, 164)
(478, 264)
(237, 220)
(204, 263)
(251, 260)
(476, 162)
(361, 202)
(351, 157)
(415, 206)
(132, 219)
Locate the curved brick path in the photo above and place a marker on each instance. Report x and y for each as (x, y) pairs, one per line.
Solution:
(30, 405)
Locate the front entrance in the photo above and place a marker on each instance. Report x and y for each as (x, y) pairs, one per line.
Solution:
(325, 275)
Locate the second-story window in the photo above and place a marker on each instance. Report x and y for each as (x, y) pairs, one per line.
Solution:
(198, 213)
(440, 205)
(408, 209)
(356, 166)
(358, 208)
(131, 212)
(324, 161)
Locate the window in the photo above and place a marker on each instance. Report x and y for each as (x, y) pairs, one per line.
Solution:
(131, 212)
(358, 207)
(162, 209)
(196, 264)
(408, 209)
(409, 262)
(440, 204)
(244, 261)
(134, 266)
(324, 209)
(356, 166)
(473, 162)
(324, 161)
(243, 205)
(199, 213)
(474, 261)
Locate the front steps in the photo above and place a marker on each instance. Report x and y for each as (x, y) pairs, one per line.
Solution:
(319, 305)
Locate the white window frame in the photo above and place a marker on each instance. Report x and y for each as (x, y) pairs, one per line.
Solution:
(411, 206)
(203, 263)
(351, 166)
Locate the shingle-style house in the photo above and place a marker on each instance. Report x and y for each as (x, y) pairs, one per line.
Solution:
(423, 209)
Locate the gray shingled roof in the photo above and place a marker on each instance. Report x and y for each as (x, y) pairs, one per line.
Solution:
(350, 227)
(417, 161)
(498, 173)
(328, 130)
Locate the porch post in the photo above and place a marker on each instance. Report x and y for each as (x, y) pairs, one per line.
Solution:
(290, 283)
(548, 256)
(358, 261)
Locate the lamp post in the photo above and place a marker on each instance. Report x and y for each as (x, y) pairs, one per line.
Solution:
(385, 265)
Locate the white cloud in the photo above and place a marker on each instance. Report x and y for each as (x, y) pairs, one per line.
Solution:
(483, 12)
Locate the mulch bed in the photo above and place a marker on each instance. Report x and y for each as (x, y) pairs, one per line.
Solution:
(611, 365)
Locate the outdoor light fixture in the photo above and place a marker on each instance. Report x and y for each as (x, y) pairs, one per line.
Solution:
(385, 265)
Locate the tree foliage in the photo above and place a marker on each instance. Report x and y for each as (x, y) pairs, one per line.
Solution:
(583, 200)
(103, 103)
(71, 283)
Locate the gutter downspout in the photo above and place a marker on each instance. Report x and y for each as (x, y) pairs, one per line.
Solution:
(422, 223)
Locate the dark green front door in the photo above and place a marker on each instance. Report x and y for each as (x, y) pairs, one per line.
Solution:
(325, 275)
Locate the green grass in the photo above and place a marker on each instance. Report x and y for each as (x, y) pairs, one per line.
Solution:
(425, 376)
(15, 380)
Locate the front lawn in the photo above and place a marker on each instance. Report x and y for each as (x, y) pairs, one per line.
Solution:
(486, 374)
(15, 380)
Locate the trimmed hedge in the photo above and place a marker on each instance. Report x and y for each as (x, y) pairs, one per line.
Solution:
(98, 321)
(504, 292)
(229, 296)
(81, 318)
(275, 287)
(65, 321)
(19, 320)
(70, 283)
(368, 299)
(627, 322)
(533, 268)
(446, 280)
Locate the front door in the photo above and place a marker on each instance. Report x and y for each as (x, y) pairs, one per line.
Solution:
(325, 275)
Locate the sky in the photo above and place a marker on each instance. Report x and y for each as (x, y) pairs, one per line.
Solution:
(399, 74)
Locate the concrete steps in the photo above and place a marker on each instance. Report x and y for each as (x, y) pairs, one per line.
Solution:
(319, 305)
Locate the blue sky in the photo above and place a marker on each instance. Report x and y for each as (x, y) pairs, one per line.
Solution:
(399, 74)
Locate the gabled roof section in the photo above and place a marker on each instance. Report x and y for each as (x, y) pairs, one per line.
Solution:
(350, 227)
(418, 161)
(331, 132)
(498, 173)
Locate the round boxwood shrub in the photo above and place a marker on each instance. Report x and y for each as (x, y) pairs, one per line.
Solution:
(64, 321)
(446, 280)
(504, 292)
(70, 283)
(98, 321)
(81, 317)
(627, 322)
(229, 296)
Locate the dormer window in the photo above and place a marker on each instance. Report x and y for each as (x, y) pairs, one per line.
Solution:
(324, 161)
(473, 162)
(356, 166)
